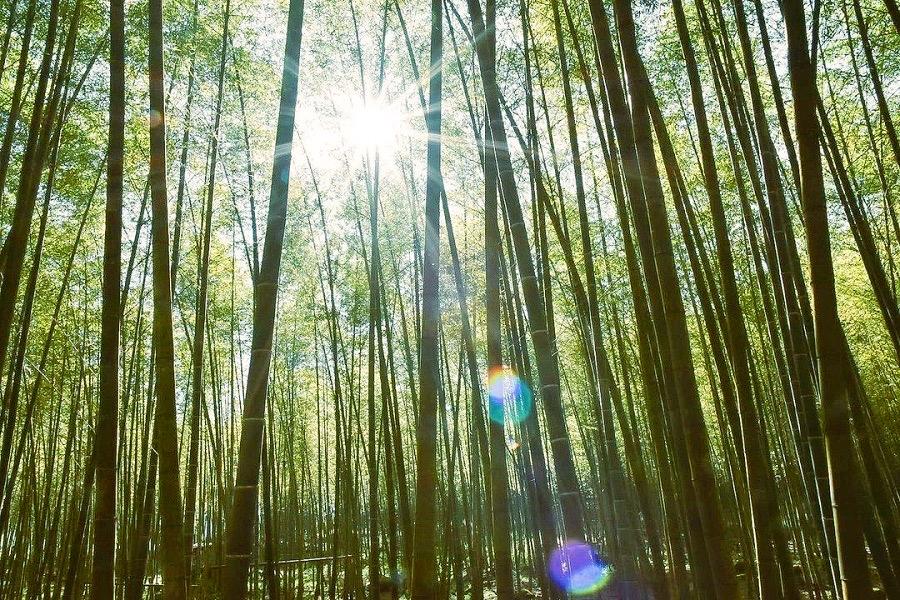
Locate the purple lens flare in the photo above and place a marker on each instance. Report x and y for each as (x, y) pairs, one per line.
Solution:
(577, 568)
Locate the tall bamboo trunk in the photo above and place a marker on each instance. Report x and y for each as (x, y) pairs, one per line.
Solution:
(102, 582)
(834, 372)
(33, 156)
(547, 364)
(424, 563)
(241, 520)
(500, 533)
(763, 508)
(165, 433)
(200, 324)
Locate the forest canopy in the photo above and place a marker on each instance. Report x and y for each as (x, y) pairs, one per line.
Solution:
(450, 299)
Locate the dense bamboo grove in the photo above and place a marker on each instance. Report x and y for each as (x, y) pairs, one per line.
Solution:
(528, 299)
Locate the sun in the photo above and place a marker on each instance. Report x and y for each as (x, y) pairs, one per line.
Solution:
(373, 126)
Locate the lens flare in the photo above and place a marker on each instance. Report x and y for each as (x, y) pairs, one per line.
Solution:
(508, 396)
(578, 570)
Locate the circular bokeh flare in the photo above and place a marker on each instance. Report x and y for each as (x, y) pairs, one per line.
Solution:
(576, 568)
(508, 396)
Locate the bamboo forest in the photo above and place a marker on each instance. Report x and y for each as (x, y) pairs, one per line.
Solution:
(482, 299)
